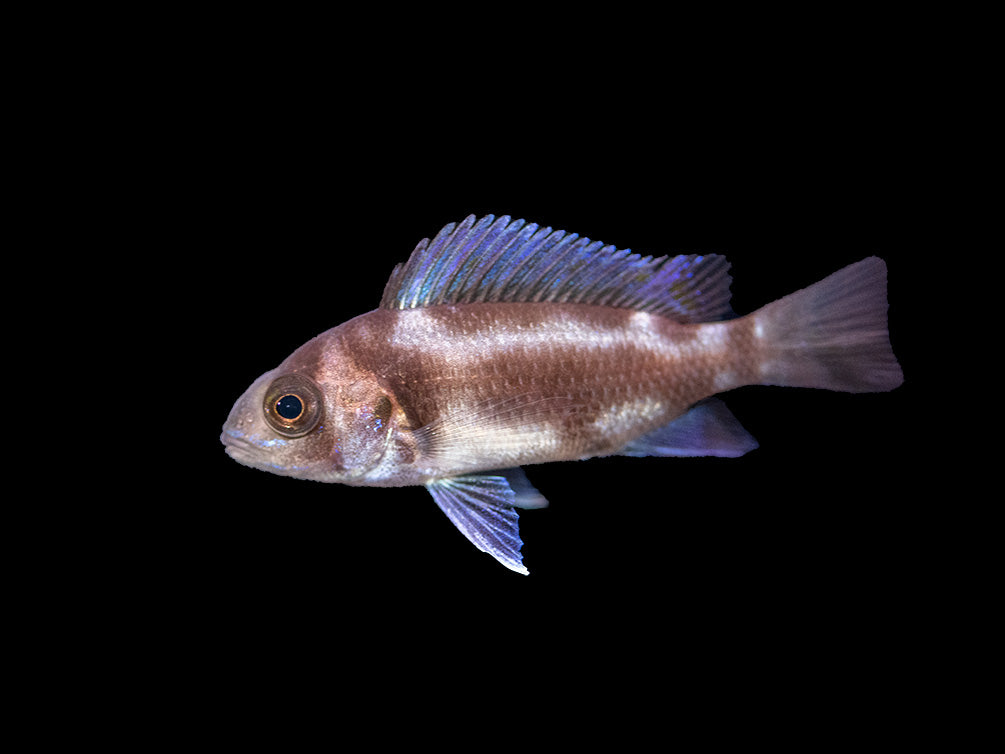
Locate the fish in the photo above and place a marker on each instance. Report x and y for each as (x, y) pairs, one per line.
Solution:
(501, 343)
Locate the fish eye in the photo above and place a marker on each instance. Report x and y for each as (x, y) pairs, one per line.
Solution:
(290, 407)
(293, 405)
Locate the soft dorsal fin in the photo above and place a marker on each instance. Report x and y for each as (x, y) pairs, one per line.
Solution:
(501, 260)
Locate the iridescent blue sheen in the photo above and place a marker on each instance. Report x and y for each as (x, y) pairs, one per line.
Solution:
(503, 260)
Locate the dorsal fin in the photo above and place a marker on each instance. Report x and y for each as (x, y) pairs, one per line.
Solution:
(502, 260)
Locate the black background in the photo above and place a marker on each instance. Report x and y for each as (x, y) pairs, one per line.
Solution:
(272, 208)
(298, 230)
(223, 187)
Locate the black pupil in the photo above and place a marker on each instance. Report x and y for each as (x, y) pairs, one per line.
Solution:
(289, 407)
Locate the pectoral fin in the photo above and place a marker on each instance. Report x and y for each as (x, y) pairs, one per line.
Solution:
(483, 507)
(708, 429)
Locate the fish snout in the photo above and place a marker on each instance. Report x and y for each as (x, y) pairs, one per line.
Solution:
(237, 446)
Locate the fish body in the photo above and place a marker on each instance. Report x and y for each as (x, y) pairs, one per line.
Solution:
(501, 344)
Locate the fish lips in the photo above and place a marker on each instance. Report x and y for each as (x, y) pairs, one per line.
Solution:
(257, 454)
(240, 435)
(239, 448)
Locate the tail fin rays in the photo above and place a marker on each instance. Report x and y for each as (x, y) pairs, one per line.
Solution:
(832, 335)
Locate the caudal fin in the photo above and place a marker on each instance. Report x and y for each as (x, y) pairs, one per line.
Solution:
(832, 335)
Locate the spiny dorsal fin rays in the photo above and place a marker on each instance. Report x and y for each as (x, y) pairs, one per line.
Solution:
(499, 260)
(485, 253)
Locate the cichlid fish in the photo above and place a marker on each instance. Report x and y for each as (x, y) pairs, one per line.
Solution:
(501, 343)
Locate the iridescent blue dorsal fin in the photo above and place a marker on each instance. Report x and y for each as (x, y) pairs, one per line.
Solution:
(500, 260)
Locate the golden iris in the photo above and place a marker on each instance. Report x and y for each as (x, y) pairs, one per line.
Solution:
(293, 405)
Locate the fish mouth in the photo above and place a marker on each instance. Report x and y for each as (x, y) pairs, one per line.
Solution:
(248, 453)
(239, 448)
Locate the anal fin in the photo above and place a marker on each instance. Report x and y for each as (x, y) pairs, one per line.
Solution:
(707, 429)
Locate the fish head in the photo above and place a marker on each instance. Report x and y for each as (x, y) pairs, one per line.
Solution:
(316, 416)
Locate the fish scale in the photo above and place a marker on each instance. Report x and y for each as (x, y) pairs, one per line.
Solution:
(502, 343)
(588, 349)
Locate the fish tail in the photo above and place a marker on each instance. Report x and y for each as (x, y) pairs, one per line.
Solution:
(832, 335)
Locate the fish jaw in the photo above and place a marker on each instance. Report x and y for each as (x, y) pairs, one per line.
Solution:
(249, 440)
(244, 435)
(249, 450)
